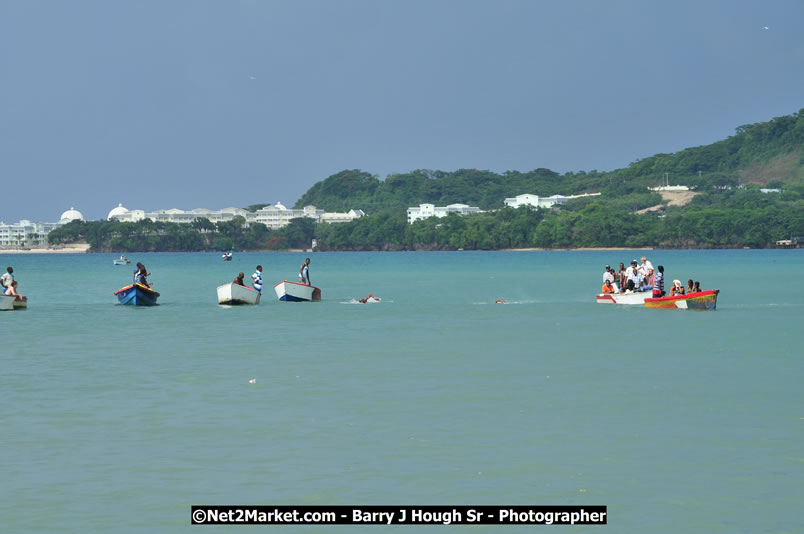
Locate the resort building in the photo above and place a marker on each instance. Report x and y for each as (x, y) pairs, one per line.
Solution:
(277, 216)
(274, 217)
(425, 211)
(26, 233)
(334, 218)
(536, 201)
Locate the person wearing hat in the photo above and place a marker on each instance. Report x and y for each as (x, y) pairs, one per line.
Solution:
(608, 274)
(7, 278)
(677, 289)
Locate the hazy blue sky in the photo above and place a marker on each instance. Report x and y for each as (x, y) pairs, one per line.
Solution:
(214, 104)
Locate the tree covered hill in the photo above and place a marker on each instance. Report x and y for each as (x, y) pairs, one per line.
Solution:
(765, 152)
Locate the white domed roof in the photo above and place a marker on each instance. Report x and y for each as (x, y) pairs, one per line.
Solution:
(119, 210)
(72, 214)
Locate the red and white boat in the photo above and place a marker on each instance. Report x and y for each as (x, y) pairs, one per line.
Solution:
(636, 297)
(700, 300)
(296, 291)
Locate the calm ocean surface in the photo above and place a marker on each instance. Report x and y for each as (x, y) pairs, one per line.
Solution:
(119, 419)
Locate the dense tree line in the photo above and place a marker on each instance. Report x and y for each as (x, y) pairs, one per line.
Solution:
(201, 235)
(732, 218)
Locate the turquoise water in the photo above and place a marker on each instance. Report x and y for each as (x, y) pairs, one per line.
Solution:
(119, 419)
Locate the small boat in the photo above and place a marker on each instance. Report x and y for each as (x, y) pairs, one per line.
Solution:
(232, 293)
(636, 297)
(700, 300)
(122, 261)
(7, 302)
(227, 256)
(137, 295)
(296, 291)
(10, 302)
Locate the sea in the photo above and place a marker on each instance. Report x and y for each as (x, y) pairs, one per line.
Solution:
(119, 419)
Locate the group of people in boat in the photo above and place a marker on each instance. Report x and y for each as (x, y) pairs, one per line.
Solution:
(641, 276)
(9, 285)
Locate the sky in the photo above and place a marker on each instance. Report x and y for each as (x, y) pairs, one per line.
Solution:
(200, 104)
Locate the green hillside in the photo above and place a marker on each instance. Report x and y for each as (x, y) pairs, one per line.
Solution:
(766, 152)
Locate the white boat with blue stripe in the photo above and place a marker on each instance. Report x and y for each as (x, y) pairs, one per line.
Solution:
(296, 292)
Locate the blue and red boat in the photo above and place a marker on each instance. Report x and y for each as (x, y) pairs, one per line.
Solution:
(137, 295)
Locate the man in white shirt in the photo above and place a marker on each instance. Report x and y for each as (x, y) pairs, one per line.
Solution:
(7, 278)
(645, 267)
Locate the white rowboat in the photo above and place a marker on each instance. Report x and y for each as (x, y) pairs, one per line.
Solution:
(232, 293)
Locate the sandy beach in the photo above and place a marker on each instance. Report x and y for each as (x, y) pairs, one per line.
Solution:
(63, 249)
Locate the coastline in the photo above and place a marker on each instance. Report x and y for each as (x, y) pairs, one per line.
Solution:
(65, 249)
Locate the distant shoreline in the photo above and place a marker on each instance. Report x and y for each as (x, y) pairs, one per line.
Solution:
(66, 249)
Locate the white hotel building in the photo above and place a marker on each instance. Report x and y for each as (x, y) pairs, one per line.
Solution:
(425, 211)
(274, 217)
(536, 201)
(26, 233)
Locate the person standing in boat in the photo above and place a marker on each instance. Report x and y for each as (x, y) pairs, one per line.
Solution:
(608, 274)
(7, 278)
(645, 266)
(257, 278)
(141, 275)
(304, 272)
(658, 283)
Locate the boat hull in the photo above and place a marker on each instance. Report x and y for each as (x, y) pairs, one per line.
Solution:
(296, 292)
(121, 262)
(6, 302)
(21, 304)
(233, 294)
(624, 298)
(700, 300)
(137, 295)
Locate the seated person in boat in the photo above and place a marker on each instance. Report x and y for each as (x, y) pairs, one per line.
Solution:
(690, 286)
(608, 287)
(239, 279)
(677, 289)
(635, 281)
(696, 287)
(11, 290)
(370, 298)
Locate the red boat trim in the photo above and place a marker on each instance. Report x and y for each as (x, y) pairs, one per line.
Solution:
(675, 298)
